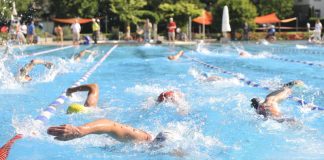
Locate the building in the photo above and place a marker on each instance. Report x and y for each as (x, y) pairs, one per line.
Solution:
(304, 9)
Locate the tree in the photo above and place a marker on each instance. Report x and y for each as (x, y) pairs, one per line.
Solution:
(283, 9)
(239, 11)
(22, 7)
(74, 8)
(181, 10)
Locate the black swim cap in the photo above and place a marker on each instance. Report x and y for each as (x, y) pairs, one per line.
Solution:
(255, 102)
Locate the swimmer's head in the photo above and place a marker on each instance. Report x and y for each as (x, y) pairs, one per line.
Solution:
(296, 83)
(255, 102)
(165, 96)
(75, 108)
(160, 139)
(205, 75)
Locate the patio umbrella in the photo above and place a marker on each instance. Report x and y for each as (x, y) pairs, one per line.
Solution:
(14, 11)
(225, 21)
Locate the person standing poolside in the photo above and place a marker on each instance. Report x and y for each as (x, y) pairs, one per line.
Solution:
(171, 30)
(30, 32)
(24, 76)
(76, 29)
(269, 107)
(23, 29)
(59, 33)
(147, 30)
(95, 30)
(318, 30)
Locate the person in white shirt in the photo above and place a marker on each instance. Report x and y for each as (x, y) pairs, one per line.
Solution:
(23, 29)
(318, 30)
(76, 28)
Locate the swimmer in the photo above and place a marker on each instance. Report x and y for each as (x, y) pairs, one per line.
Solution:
(205, 77)
(24, 76)
(177, 56)
(269, 108)
(243, 53)
(118, 131)
(170, 96)
(91, 101)
(83, 53)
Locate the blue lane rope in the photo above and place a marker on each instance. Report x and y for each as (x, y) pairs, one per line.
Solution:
(296, 50)
(44, 52)
(251, 83)
(296, 61)
(47, 113)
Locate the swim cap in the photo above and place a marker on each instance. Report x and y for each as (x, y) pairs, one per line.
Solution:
(165, 95)
(255, 102)
(205, 75)
(159, 140)
(75, 108)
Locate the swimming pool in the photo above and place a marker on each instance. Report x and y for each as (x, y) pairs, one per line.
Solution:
(220, 123)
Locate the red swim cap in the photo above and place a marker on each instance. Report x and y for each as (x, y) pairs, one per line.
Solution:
(165, 95)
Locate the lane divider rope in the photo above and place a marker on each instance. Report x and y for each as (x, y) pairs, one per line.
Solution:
(251, 83)
(44, 52)
(296, 61)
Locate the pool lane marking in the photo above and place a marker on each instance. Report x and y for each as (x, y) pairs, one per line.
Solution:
(296, 61)
(296, 50)
(46, 114)
(251, 83)
(44, 52)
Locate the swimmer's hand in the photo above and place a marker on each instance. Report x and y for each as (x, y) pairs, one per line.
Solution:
(49, 65)
(69, 92)
(64, 132)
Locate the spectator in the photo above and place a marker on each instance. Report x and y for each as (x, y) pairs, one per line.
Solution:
(30, 32)
(59, 33)
(171, 30)
(147, 30)
(246, 30)
(76, 28)
(95, 30)
(318, 30)
(24, 29)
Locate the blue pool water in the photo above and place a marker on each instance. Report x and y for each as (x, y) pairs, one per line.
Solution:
(214, 122)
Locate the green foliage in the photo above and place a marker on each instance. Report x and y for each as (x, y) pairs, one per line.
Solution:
(130, 11)
(283, 8)
(239, 12)
(74, 8)
(6, 8)
(181, 10)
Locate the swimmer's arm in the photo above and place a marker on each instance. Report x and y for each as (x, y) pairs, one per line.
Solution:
(91, 88)
(278, 95)
(101, 126)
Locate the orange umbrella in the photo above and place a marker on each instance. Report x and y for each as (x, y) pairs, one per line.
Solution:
(206, 18)
(72, 20)
(270, 18)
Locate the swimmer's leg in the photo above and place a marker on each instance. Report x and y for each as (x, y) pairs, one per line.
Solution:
(102, 126)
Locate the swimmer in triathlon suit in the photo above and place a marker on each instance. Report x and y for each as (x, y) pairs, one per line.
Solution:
(269, 108)
(176, 56)
(91, 101)
(83, 53)
(118, 131)
(23, 75)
